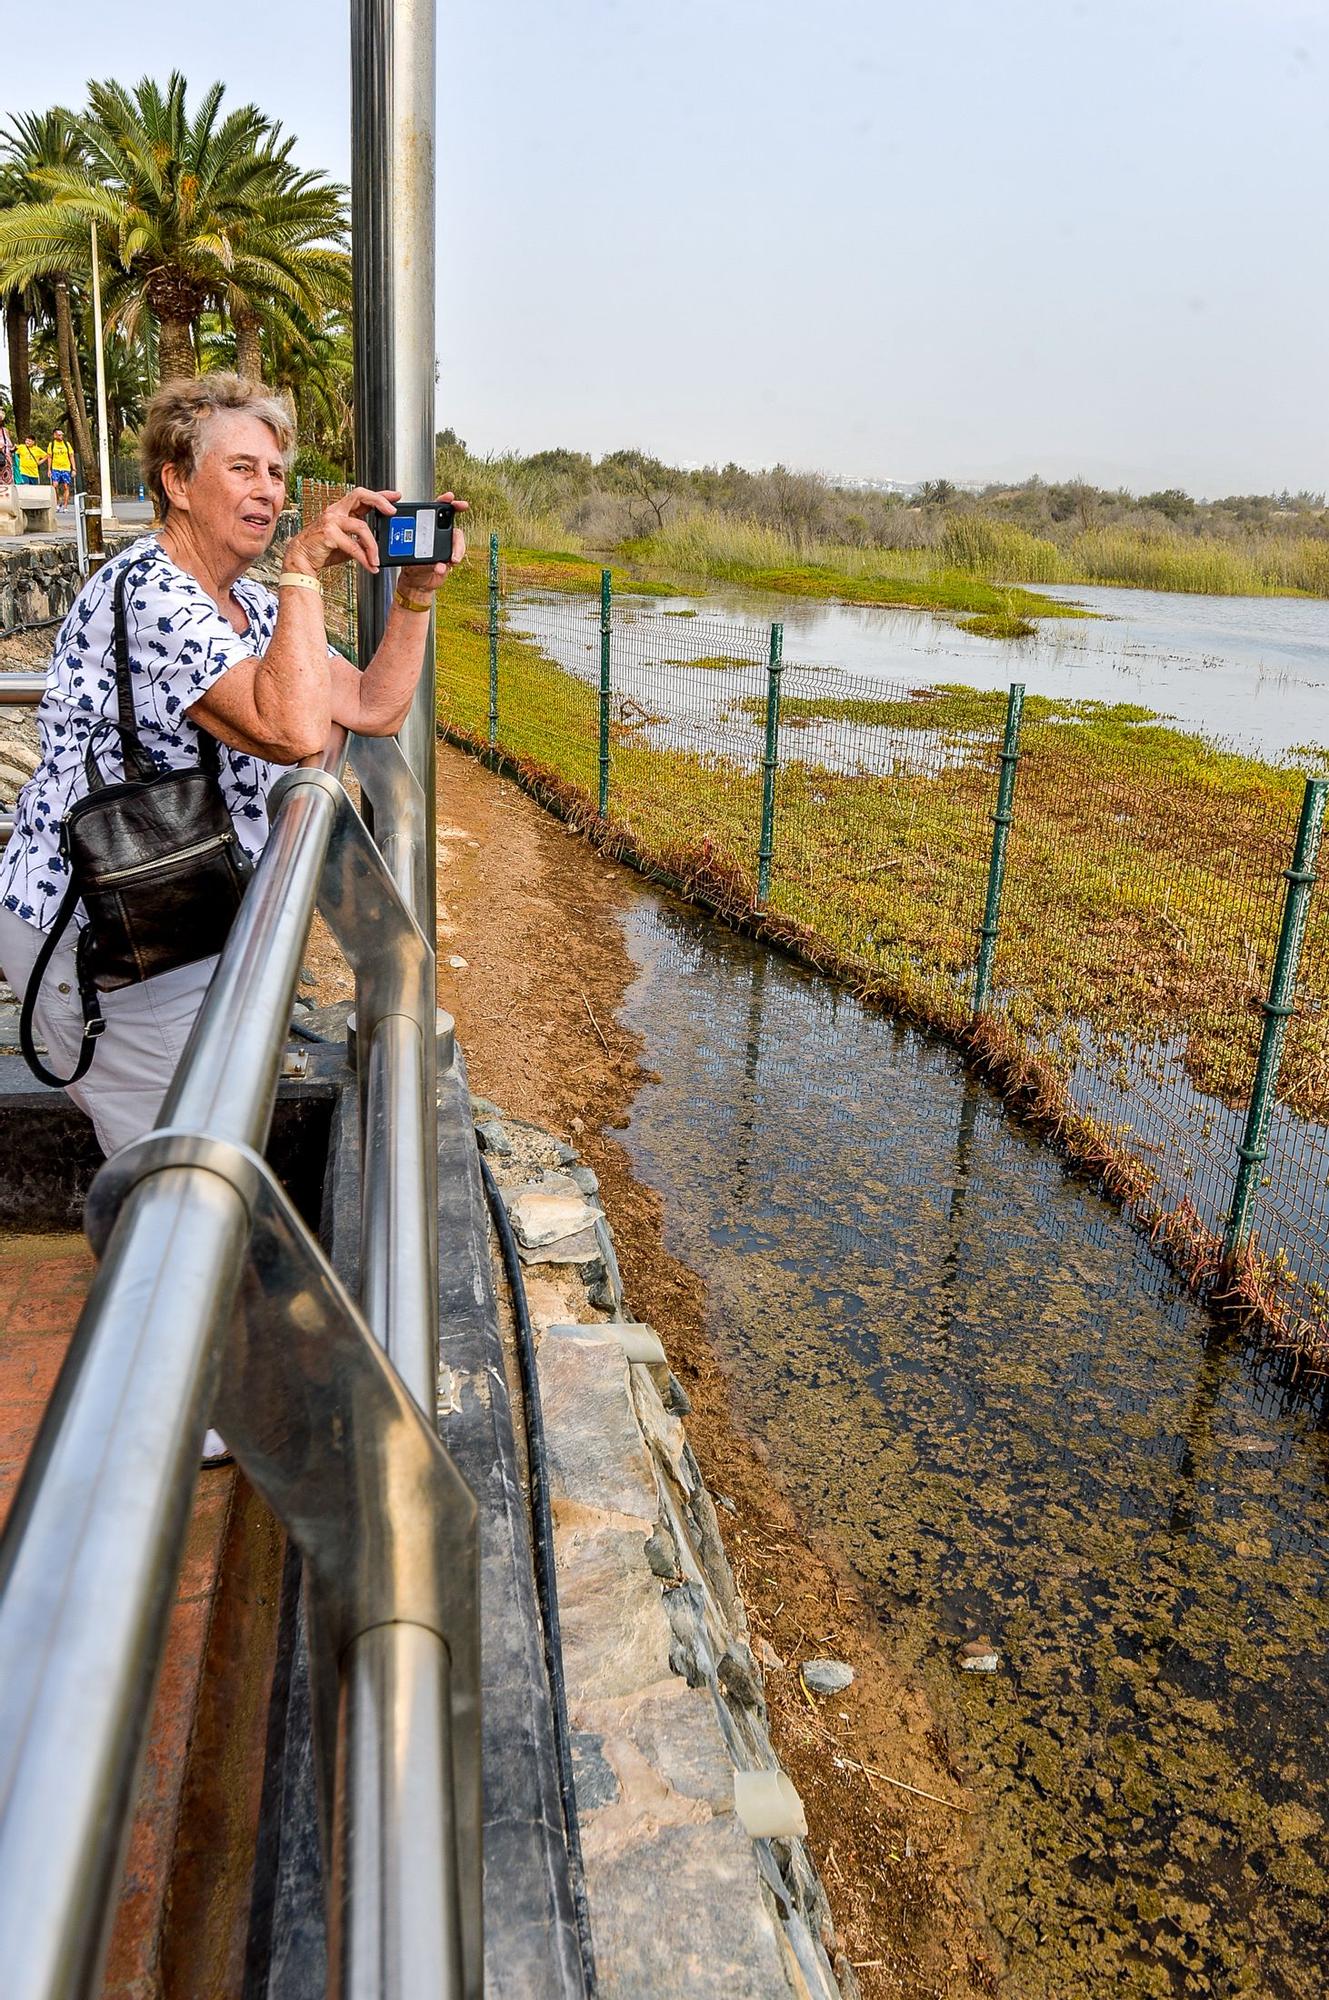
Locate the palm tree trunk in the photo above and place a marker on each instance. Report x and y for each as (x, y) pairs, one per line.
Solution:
(16, 336)
(72, 389)
(175, 350)
(248, 347)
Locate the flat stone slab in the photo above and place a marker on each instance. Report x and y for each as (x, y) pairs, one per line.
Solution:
(658, 1946)
(541, 1216)
(637, 1341)
(583, 1248)
(615, 1633)
(597, 1458)
(667, 1734)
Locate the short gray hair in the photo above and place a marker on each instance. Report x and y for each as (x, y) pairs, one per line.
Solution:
(178, 415)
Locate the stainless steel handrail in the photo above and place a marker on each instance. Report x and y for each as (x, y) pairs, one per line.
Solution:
(17, 690)
(323, 1427)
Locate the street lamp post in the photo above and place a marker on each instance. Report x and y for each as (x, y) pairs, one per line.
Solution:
(103, 445)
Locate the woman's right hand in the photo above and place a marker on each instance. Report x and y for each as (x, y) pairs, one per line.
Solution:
(341, 533)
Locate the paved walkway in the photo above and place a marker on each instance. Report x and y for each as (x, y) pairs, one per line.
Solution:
(135, 514)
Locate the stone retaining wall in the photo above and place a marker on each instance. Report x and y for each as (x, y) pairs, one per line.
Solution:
(37, 584)
(698, 1879)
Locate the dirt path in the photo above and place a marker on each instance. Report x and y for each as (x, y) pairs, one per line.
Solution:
(533, 911)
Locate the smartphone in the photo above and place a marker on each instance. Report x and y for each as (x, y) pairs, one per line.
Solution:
(419, 532)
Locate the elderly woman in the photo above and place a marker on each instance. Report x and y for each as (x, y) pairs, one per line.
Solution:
(210, 651)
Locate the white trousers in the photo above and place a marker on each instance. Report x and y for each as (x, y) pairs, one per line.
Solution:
(146, 1029)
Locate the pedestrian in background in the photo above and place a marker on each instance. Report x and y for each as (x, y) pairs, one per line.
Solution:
(61, 461)
(6, 450)
(28, 462)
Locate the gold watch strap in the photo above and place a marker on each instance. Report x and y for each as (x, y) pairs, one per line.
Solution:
(409, 603)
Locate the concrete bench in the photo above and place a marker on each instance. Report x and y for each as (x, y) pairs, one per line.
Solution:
(37, 505)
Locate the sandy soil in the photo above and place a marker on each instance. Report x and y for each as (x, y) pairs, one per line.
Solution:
(532, 910)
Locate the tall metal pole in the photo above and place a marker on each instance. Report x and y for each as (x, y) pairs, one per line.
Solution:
(392, 248)
(99, 352)
(410, 1909)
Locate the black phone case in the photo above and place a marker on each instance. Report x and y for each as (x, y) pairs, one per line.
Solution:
(417, 516)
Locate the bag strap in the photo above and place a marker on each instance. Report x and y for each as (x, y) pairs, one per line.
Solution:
(93, 1019)
(209, 751)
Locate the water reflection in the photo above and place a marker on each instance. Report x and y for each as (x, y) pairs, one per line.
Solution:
(974, 1374)
(1253, 671)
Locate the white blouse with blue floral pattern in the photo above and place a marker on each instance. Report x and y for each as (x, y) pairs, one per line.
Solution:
(179, 645)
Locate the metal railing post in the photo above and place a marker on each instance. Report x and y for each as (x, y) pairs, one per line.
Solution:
(493, 640)
(1278, 1011)
(1001, 827)
(393, 229)
(769, 764)
(81, 530)
(606, 633)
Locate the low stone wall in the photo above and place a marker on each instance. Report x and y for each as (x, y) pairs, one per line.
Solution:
(698, 1880)
(37, 584)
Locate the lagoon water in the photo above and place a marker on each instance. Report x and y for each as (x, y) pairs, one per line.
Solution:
(1251, 671)
(975, 1377)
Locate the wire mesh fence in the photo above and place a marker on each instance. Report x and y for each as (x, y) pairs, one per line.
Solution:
(1140, 913)
(311, 497)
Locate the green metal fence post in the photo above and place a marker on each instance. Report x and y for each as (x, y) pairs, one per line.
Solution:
(606, 614)
(1001, 826)
(493, 640)
(1278, 1010)
(769, 764)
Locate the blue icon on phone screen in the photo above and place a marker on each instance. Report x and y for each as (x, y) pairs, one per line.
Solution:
(401, 536)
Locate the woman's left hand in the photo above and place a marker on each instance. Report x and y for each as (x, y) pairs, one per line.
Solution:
(418, 581)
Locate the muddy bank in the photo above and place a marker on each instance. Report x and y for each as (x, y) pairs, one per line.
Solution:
(535, 913)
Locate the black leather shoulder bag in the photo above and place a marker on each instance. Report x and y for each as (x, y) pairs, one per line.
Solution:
(155, 861)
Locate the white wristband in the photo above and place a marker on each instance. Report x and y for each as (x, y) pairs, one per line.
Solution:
(300, 581)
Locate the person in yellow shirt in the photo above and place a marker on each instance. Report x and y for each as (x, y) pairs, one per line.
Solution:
(28, 462)
(61, 461)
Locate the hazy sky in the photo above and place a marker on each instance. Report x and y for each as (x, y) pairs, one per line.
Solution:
(888, 238)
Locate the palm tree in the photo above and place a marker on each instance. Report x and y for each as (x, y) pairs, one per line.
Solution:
(313, 366)
(18, 318)
(289, 269)
(124, 374)
(37, 145)
(194, 211)
(18, 305)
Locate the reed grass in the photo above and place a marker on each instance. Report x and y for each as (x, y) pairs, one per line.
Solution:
(1005, 624)
(975, 557)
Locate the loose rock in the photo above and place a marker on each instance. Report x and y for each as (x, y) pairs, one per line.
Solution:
(494, 1139)
(828, 1676)
(678, 1399)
